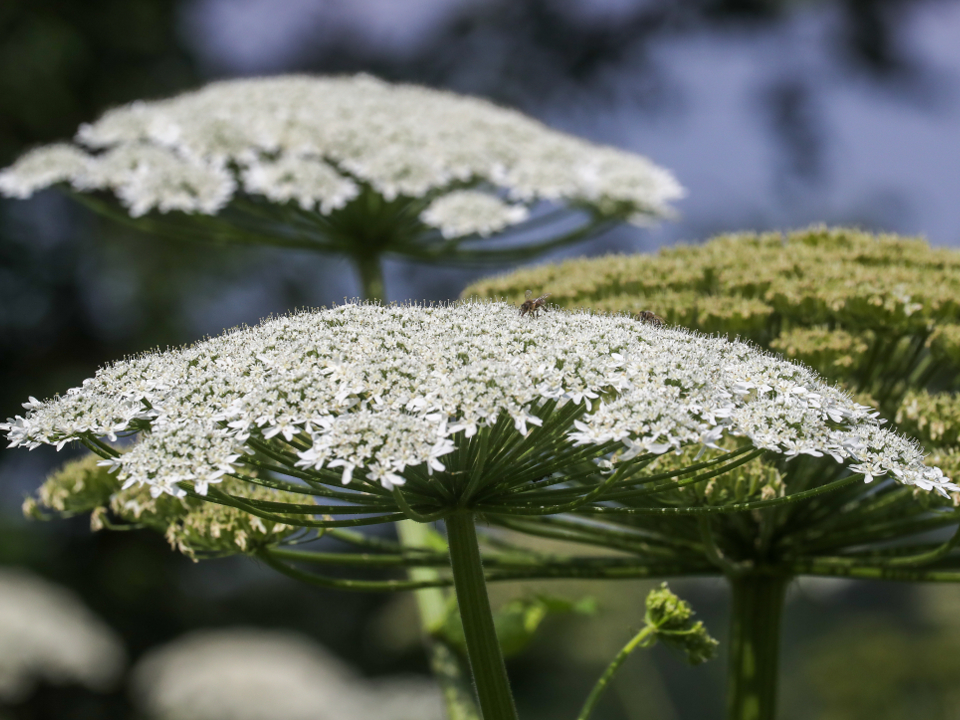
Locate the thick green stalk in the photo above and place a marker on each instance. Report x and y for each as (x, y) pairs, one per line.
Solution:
(446, 664)
(371, 277)
(754, 645)
(483, 646)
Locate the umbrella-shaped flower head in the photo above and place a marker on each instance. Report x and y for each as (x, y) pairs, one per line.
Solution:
(349, 165)
(460, 406)
(878, 314)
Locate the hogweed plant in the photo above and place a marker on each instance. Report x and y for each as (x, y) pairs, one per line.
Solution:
(880, 316)
(578, 425)
(355, 167)
(351, 166)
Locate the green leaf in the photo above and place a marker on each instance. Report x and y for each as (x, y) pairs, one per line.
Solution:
(516, 622)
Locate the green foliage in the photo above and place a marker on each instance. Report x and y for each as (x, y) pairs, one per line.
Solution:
(517, 621)
(62, 62)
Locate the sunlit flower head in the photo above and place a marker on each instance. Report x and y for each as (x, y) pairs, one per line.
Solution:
(379, 395)
(318, 142)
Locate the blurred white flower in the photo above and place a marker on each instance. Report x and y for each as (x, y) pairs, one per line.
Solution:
(464, 212)
(48, 635)
(250, 674)
(320, 140)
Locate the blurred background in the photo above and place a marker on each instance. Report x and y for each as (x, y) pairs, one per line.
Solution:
(772, 113)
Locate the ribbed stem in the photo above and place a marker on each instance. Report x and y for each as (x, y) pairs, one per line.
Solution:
(371, 277)
(448, 668)
(483, 647)
(754, 646)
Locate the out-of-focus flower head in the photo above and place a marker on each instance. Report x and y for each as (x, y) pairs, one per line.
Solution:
(48, 635)
(249, 674)
(349, 160)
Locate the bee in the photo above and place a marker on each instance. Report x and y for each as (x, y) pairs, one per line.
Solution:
(534, 306)
(649, 317)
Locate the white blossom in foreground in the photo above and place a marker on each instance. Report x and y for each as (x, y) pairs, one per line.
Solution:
(373, 391)
(247, 674)
(48, 635)
(317, 140)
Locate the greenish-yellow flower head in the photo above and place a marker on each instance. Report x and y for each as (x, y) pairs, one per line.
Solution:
(759, 285)
(190, 525)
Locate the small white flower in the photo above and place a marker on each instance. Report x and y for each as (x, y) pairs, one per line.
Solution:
(43, 167)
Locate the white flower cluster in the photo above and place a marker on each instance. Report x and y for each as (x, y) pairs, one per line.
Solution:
(465, 212)
(47, 634)
(247, 674)
(375, 390)
(316, 140)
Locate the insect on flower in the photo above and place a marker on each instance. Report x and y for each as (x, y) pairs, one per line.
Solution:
(649, 317)
(534, 306)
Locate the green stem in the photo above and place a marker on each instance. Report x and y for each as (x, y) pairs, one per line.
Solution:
(341, 584)
(754, 645)
(483, 646)
(639, 640)
(446, 664)
(714, 553)
(363, 560)
(371, 277)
